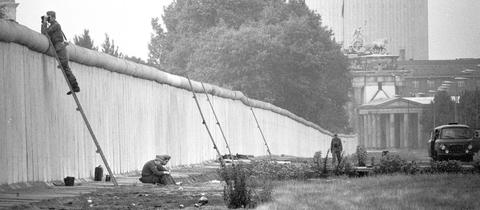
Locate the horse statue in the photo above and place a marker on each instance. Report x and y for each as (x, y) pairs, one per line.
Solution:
(377, 47)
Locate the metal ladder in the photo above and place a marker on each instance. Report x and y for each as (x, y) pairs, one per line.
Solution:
(84, 117)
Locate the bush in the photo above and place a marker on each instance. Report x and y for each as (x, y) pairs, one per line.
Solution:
(390, 164)
(346, 167)
(236, 194)
(410, 168)
(361, 155)
(317, 160)
(445, 166)
(251, 184)
(274, 171)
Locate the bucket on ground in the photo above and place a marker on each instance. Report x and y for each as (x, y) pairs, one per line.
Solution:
(69, 181)
(98, 173)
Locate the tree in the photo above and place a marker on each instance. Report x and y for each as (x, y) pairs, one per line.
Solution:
(84, 40)
(468, 108)
(442, 109)
(110, 48)
(270, 50)
(135, 59)
(158, 45)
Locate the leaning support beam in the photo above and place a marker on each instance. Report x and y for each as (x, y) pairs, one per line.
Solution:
(222, 162)
(261, 132)
(218, 122)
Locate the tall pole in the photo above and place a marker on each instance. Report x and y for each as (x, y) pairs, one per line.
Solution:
(218, 122)
(261, 132)
(455, 104)
(434, 117)
(343, 23)
(476, 106)
(222, 163)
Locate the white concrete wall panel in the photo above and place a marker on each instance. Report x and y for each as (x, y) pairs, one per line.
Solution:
(135, 112)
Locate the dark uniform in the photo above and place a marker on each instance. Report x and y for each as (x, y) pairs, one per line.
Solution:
(54, 31)
(153, 173)
(336, 148)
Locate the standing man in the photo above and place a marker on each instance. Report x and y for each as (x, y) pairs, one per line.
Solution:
(154, 171)
(55, 33)
(336, 148)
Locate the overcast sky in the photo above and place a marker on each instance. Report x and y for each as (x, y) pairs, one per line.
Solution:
(454, 25)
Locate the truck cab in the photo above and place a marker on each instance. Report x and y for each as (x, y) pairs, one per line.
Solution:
(453, 141)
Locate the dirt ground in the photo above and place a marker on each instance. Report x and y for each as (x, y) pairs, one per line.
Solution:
(131, 194)
(140, 197)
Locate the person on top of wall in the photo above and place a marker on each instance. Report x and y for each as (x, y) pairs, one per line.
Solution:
(55, 33)
(154, 171)
(336, 148)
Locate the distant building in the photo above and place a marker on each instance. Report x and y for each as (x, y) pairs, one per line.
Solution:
(402, 23)
(389, 97)
(426, 76)
(393, 83)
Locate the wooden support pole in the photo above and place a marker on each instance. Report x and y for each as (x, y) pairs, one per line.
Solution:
(261, 132)
(218, 122)
(222, 162)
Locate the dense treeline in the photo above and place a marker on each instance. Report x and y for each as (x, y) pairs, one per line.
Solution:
(270, 50)
(442, 110)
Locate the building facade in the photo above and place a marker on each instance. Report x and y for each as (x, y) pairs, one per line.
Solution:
(393, 123)
(389, 96)
(402, 23)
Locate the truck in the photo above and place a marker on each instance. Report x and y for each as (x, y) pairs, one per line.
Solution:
(453, 141)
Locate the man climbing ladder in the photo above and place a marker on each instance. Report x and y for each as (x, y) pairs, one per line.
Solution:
(54, 31)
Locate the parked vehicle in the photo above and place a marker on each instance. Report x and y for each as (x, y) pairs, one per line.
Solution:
(453, 141)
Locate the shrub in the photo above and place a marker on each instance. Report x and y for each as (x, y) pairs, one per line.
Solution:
(236, 194)
(445, 166)
(272, 170)
(251, 184)
(317, 160)
(361, 154)
(346, 167)
(410, 167)
(390, 164)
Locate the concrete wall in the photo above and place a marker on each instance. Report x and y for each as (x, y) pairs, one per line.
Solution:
(134, 110)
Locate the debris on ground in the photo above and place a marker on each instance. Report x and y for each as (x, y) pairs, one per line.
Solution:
(195, 185)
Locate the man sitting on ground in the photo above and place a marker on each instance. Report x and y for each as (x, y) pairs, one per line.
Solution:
(154, 171)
